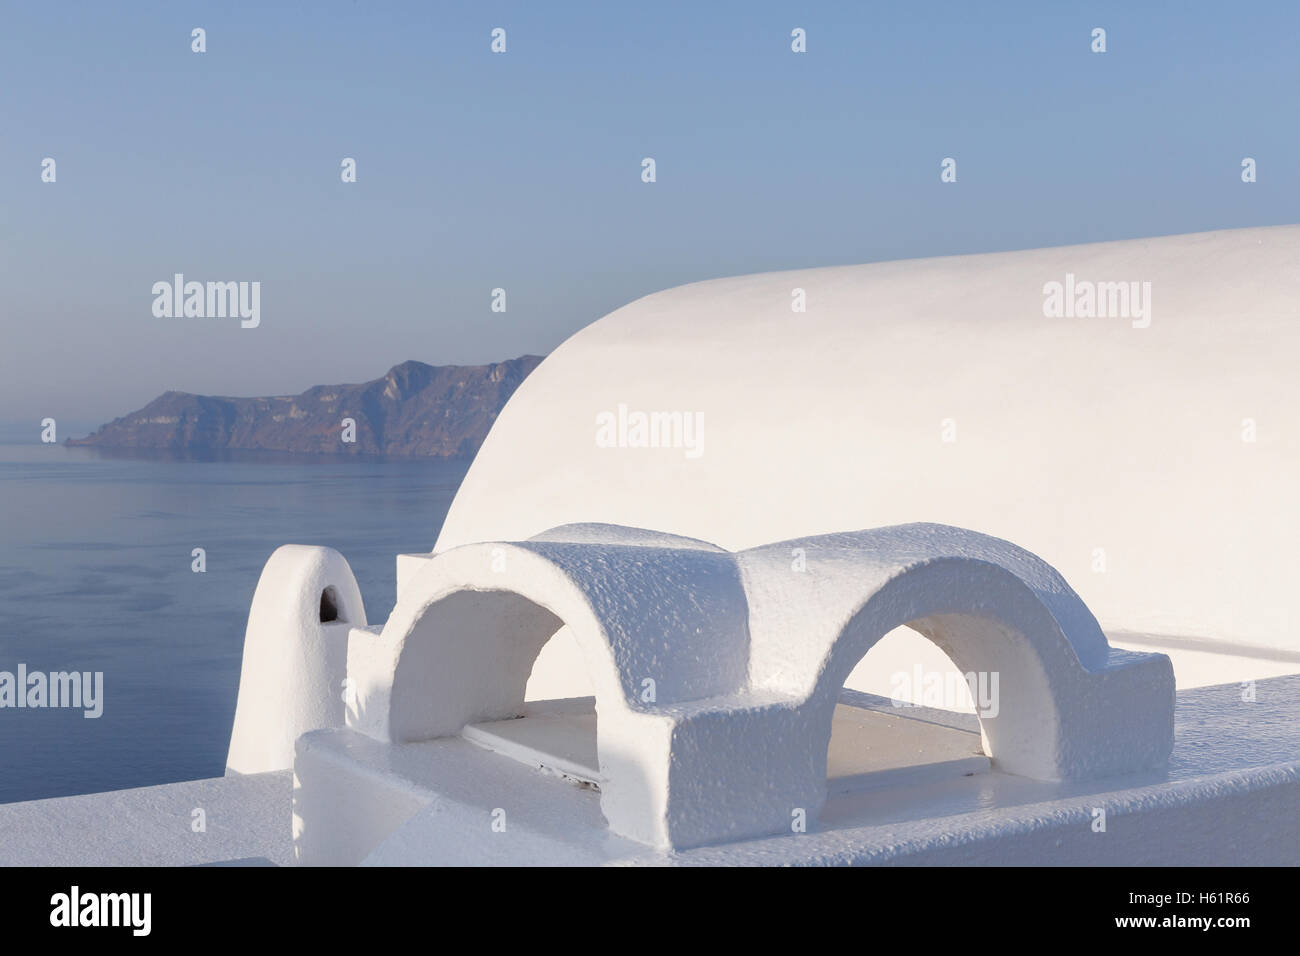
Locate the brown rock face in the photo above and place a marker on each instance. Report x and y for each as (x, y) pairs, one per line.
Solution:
(415, 411)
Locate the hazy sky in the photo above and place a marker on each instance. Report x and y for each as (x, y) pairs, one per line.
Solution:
(522, 170)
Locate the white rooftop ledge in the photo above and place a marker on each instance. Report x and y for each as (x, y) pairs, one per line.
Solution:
(1227, 797)
(243, 823)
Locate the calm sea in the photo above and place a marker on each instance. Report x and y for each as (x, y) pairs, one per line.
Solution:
(95, 575)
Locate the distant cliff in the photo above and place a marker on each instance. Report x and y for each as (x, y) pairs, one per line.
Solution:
(415, 411)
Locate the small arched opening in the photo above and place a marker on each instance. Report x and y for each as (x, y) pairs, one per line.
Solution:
(331, 608)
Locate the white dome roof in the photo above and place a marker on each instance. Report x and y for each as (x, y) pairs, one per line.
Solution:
(1092, 442)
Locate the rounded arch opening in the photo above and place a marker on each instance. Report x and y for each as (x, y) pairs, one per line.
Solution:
(992, 639)
(465, 666)
(925, 715)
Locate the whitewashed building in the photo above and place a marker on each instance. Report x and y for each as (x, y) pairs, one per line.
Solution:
(693, 596)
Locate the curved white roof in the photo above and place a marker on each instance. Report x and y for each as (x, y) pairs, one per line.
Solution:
(938, 390)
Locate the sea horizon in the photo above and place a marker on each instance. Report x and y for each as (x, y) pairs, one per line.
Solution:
(97, 569)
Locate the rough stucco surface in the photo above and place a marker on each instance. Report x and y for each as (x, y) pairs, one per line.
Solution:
(1071, 433)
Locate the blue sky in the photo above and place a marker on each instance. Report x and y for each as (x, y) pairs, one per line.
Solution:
(522, 170)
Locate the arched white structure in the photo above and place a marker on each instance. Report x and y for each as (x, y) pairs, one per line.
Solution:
(1121, 454)
(1070, 701)
(747, 657)
(462, 640)
(294, 662)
